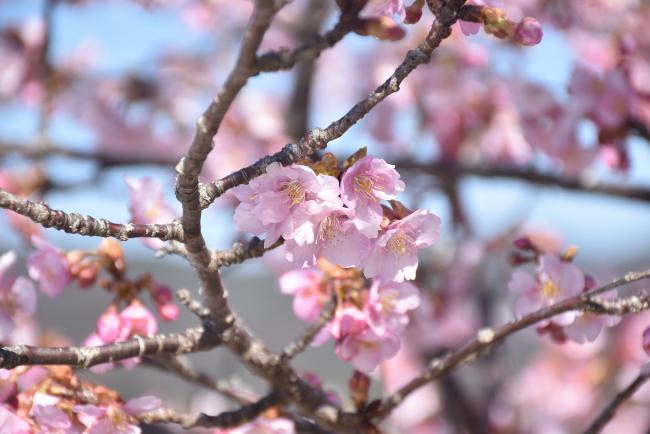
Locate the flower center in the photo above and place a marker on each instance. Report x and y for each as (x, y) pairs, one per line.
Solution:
(387, 300)
(364, 185)
(550, 289)
(400, 243)
(329, 227)
(295, 191)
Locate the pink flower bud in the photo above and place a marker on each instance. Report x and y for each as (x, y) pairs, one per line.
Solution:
(528, 32)
(168, 311)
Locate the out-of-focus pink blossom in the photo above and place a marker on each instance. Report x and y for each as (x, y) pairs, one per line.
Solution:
(394, 255)
(17, 294)
(49, 267)
(369, 181)
(329, 233)
(112, 327)
(587, 326)
(309, 291)
(468, 27)
(555, 280)
(366, 350)
(49, 417)
(388, 306)
(276, 203)
(115, 418)
(528, 32)
(385, 7)
(140, 320)
(12, 423)
(348, 320)
(147, 205)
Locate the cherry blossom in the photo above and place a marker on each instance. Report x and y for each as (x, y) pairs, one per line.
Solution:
(309, 290)
(17, 294)
(263, 425)
(49, 267)
(330, 234)
(369, 181)
(366, 350)
(277, 202)
(394, 254)
(555, 280)
(388, 306)
(116, 418)
(147, 205)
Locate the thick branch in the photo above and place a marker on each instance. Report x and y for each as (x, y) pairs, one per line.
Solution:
(191, 341)
(187, 186)
(447, 168)
(319, 138)
(74, 223)
(488, 338)
(608, 412)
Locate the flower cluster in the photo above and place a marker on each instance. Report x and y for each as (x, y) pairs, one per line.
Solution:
(368, 321)
(528, 31)
(343, 222)
(556, 278)
(17, 296)
(54, 400)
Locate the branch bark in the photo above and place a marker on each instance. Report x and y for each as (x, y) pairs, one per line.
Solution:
(74, 223)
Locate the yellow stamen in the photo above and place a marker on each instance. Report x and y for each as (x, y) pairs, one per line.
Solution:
(328, 228)
(365, 186)
(295, 190)
(399, 243)
(550, 289)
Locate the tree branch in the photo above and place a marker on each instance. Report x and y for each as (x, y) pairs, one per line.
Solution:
(287, 58)
(487, 338)
(608, 412)
(300, 343)
(227, 419)
(319, 138)
(191, 341)
(74, 223)
(448, 168)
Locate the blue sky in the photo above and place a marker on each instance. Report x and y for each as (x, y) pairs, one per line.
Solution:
(128, 36)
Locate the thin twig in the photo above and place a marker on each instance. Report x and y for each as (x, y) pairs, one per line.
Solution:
(74, 223)
(299, 344)
(487, 338)
(610, 410)
(191, 341)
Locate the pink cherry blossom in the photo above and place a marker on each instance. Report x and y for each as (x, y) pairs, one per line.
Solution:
(587, 326)
(275, 203)
(348, 320)
(555, 281)
(49, 267)
(369, 181)
(112, 327)
(140, 320)
(331, 234)
(49, 417)
(467, 27)
(394, 255)
(309, 290)
(148, 205)
(388, 306)
(12, 423)
(17, 294)
(115, 418)
(366, 350)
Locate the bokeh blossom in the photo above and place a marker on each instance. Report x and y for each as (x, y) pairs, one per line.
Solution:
(49, 267)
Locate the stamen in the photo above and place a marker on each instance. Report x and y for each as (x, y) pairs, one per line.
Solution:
(295, 190)
(328, 228)
(365, 186)
(400, 243)
(550, 289)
